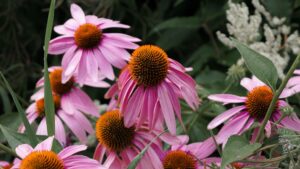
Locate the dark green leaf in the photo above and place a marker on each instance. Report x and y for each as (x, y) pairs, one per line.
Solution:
(179, 22)
(29, 131)
(14, 139)
(259, 65)
(5, 100)
(237, 148)
(49, 105)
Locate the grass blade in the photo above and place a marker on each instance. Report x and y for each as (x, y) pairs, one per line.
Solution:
(49, 105)
(29, 131)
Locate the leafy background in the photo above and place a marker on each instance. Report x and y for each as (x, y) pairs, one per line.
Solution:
(184, 28)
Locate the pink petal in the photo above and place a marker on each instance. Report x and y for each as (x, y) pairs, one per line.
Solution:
(46, 144)
(72, 123)
(167, 108)
(134, 107)
(84, 103)
(203, 149)
(224, 116)
(68, 57)
(122, 36)
(227, 98)
(23, 150)
(42, 128)
(67, 104)
(118, 42)
(104, 66)
(71, 24)
(60, 133)
(68, 151)
(61, 29)
(73, 63)
(232, 127)
(60, 44)
(92, 66)
(112, 57)
(291, 124)
(112, 24)
(78, 14)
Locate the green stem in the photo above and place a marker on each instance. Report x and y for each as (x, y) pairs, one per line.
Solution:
(8, 150)
(272, 160)
(276, 96)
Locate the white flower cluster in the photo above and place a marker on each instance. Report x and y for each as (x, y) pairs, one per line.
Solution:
(276, 41)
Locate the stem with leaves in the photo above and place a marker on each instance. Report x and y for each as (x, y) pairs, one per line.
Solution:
(276, 96)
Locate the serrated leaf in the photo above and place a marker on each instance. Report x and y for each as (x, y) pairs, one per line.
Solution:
(237, 148)
(29, 131)
(259, 65)
(49, 105)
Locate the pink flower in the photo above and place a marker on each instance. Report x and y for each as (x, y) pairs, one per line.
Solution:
(151, 86)
(252, 108)
(294, 83)
(87, 48)
(189, 156)
(42, 155)
(118, 145)
(5, 165)
(71, 103)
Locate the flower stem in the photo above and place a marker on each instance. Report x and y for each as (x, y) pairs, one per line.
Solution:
(8, 150)
(276, 96)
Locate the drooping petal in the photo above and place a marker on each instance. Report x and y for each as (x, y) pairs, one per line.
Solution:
(68, 151)
(232, 127)
(227, 98)
(134, 107)
(60, 44)
(167, 108)
(104, 66)
(60, 133)
(72, 123)
(224, 116)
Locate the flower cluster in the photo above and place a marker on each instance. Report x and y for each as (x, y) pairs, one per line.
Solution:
(145, 100)
(276, 42)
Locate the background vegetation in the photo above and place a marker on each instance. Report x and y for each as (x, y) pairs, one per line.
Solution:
(184, 28)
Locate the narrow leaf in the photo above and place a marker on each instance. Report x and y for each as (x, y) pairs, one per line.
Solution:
(137, 159)
(5, 100)
(49, 105)
(259, 65)
(29, 131)
(237, 148)
(15, 139)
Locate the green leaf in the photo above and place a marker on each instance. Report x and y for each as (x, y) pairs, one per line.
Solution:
(279, 8)
(6, 120)
(179, 22)
(5, 100)
(137, 159)
(259, 65)
(237, 148)
(49, 105)
(15, 139)
(29, 131)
